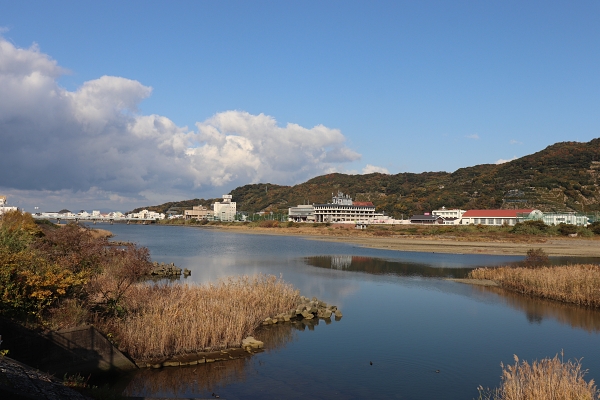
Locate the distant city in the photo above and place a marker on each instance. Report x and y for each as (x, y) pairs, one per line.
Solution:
(341, 210)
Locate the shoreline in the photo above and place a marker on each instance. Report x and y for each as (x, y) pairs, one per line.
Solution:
(554, 247)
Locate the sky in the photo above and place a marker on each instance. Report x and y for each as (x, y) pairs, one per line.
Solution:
(114, 105)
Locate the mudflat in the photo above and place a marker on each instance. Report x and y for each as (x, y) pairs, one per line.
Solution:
(471, 244)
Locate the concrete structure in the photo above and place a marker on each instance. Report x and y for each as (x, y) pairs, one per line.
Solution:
(4, 207)
(343, 209)
(198, 212)
(224, 210)
(302, 213)
(495, 217)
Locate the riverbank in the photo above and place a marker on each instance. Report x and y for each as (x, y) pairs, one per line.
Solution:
(472, 243)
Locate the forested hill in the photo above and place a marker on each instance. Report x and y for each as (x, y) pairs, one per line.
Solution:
(562, 177)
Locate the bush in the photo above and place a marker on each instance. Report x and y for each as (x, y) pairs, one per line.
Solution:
(567, 229)
(534, 227)
(17, 231)
(536, 258)
(595, 227)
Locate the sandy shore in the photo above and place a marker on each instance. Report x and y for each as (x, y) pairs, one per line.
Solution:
(574, 247)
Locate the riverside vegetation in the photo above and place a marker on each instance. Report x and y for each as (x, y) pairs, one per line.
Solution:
(548, 379)
(58, 277)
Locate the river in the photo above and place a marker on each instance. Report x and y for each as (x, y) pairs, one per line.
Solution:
(406, 332)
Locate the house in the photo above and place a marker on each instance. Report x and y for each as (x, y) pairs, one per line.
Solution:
(496, 217)
(426, 219)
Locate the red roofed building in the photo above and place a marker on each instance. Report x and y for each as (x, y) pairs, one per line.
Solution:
(495, 217)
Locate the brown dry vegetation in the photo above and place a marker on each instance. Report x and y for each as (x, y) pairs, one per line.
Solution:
(577, 284)
(169, 320)
(548, 379)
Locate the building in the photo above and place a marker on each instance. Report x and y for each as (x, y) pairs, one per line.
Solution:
(343, 209)
(225, 210)
(448, 214)
(145, 214)
(496, 217)
(426, 219)
(198, 212)
(559, 218)
(302, 213)
(4, 207)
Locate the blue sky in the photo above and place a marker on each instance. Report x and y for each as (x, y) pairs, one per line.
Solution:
(200, 97)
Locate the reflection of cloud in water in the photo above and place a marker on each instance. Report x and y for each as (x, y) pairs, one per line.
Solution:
(536, 310)
(202, 379)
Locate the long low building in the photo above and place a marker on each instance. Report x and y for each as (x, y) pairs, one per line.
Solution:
(496, 217)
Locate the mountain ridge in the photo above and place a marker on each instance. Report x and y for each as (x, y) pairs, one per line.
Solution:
(562, 177)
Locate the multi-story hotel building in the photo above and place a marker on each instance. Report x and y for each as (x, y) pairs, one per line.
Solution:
(343, 209)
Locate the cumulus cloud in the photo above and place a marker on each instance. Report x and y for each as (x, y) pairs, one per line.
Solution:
(502, 161)
(473, 136)
(94, 140)
(369, 169)
(513, 141)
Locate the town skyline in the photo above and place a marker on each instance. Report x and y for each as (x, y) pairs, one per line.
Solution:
(114, 106)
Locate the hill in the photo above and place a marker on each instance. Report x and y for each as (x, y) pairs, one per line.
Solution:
(562, 177)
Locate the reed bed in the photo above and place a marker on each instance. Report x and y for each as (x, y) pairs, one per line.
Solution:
(167, 320)
(577, 284)
(548, 379)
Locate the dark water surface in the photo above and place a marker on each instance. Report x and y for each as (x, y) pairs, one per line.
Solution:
(399, 313)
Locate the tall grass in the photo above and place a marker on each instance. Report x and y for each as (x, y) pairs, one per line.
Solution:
(164, 320)
(548, 379)
(577, 284)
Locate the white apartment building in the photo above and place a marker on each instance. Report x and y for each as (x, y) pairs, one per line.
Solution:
(343, 209)
(449, 213)
(225, 210)
(4, 206)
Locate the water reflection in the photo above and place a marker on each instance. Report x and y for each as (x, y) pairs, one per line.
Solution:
(536, 310)
(203, 379)
(378, 266)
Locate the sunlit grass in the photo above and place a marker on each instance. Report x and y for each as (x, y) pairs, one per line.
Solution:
(577, 284)
(165, 320)
(548, 379)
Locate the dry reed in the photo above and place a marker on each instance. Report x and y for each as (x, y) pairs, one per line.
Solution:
(165, 320)
(577, 284)
(548, 379)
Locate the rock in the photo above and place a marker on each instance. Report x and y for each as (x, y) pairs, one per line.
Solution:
(338, 314)
(250, 343)
(324, 314)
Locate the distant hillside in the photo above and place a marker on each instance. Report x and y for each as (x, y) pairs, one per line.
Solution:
(562, 177)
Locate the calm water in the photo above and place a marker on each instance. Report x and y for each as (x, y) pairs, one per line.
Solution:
(399, 313)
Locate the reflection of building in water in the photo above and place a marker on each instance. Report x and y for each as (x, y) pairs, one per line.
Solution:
(341, 262)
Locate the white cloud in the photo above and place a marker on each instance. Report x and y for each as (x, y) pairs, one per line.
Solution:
(369, 169)
(473, 136)
(513, 141)
(68, 144)
(502, 161)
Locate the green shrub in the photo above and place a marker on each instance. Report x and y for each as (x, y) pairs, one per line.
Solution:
(536, 258)
(534, 227)
(567, 229)
(595, 227)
